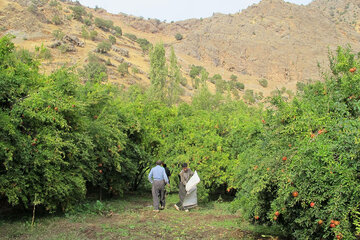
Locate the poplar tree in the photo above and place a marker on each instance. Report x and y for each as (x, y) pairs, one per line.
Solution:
(158, 70)
(174, 79)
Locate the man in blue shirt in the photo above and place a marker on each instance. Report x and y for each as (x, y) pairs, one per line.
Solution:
(158, 178)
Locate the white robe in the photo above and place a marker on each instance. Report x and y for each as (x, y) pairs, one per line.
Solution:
(190, 199)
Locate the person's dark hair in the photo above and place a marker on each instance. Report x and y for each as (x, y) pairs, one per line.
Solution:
(158, 162)
(164, 165)
(184, 165)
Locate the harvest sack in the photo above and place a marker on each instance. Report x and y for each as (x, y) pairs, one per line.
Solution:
(190, 199)
(194, 180)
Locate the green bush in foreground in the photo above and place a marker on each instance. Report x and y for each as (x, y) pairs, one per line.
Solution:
(58, 136)
(302, 169)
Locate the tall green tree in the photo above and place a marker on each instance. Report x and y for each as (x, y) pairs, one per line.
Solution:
(174, 79)
(158, 70)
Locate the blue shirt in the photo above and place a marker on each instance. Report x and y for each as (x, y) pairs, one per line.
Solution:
(158, 173)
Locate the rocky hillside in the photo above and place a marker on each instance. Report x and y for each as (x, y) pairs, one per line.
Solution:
(273, 40)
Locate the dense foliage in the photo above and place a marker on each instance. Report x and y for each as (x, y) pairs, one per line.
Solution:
(301, 171)
(294, 163)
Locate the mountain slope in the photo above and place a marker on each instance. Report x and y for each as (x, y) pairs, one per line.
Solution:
(273, 40)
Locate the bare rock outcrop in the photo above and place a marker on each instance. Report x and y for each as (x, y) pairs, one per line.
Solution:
(74, 40)
(121, 51)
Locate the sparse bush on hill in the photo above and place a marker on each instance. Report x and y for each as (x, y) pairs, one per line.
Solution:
(123, 69)
(183, 81)
(87, 22)
(88, 35)
(144, 44)
(195, 71)
(78, 12)
(263, 82)
(56, 20)
(93, 34)
(33, 8)
(90, 16)
(216, 77)
(134, 70)
(84, 32)
(118, 31)
(249, 96)
(64, 48)
(239, 86)
(53, 3)
(178, 37)
(259, 96)
(95, 71)
(220, 85)
(233, 77)
(112, 39)
(103, 24)
(195, 75)
(43, 52)
(103, 47)
(58, 34)
(108, 62)
(130, 36)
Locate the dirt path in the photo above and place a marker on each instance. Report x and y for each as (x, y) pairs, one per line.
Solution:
(134, 219)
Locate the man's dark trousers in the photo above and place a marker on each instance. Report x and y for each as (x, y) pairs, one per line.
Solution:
(158, 192)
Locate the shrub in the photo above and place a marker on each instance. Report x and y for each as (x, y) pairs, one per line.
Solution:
(105, 25)
(216, 77)
(95, 71)
(43, 52)
(259, 96)
(183, 81)
(64, 48)
(220, 85)
(123, 69)
(263, 82)
(93, 34)
(56, 20)
(78, 12)
(87, 22)
(249, 96)
(25, 56)
(178, 36)
(53, 3)
(233, 77)
(130, 36)
(103, 47)
(84, 33)
(108, 62)
(239, 86)
(144, 44)
(58, 34)
(112, 39)
(135, 70)
(33, 8)
(195, 71)
(118, 31)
